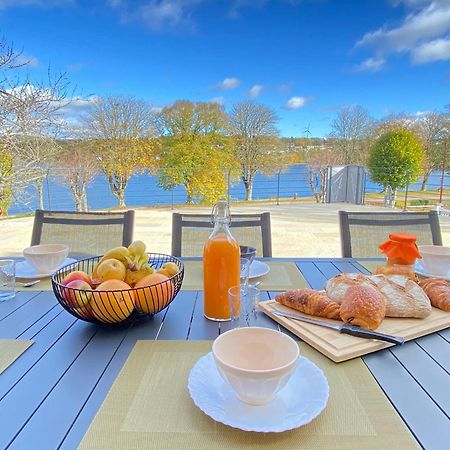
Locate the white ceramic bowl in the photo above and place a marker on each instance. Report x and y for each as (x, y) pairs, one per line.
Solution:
(46, 258)
(256, 362)
(435, 259)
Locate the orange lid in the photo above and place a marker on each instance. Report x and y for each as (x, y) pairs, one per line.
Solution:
(403, 237)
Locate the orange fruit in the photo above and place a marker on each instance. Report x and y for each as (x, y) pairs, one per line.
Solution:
(113, 305)
(153, 293)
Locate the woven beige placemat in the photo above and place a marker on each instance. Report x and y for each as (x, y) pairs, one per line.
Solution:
(10, 350)
(283, 275)
(44, 285)
(149, 407)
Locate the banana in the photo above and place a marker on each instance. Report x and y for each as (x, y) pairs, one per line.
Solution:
(137, 248)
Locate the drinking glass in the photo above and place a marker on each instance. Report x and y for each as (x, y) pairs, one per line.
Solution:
(247, 256)
(243, 305)
(7, 279)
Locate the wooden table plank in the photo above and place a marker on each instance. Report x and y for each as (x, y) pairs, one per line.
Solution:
(24, 317)
(426, 421)
(44, 341)
(144, 330)
(178, 317)
(431, 376)
(438, 348)
(200, 327)
(20, 404)
(47, 427)
(314, 277)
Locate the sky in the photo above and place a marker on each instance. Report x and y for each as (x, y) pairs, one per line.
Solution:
(305, 59)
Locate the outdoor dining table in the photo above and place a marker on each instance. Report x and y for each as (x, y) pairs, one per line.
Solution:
(51, 393)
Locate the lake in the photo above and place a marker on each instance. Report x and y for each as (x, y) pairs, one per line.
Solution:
(143, 190)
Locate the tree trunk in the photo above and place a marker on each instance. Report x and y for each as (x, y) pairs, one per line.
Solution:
(39, 187)
(84, 201)
(426, 176)
(393, 198)
(118, 184)
(189, 195)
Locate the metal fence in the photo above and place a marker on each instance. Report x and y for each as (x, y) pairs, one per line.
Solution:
(290, 184)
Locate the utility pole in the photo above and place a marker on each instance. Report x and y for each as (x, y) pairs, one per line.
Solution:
(444, 164)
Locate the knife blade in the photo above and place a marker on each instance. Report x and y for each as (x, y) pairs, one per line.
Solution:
(345, 328)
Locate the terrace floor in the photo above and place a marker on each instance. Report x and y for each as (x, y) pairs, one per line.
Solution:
(298, 229)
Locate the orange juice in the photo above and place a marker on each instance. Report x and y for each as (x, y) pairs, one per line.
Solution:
(221, 266)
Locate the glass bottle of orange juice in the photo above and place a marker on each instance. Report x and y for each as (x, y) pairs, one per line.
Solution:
(221, 260)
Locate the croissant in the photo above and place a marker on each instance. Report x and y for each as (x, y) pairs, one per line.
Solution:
(363, 306)
(310, 302)
(438, 291)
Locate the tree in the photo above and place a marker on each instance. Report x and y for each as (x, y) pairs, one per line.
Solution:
(29, 120)
(122, 129)
(6, 175)
(77, 167)
(256, 143)
(195, 153)
(351, 130)
(395, 160)
(433, 128)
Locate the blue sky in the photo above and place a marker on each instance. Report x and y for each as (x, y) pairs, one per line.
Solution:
(303, 58)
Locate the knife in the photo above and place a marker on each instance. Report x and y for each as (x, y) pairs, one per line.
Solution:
(345, 328)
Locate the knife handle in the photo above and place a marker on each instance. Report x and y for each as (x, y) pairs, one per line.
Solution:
(369, 334)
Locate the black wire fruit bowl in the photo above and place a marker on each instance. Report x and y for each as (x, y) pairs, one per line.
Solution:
(119, 304)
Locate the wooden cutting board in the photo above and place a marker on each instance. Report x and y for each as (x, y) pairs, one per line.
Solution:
(341, 347)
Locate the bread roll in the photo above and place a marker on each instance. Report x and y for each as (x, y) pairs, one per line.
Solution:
(310, 302)
(404, 298)
(363, 306)
(396, 269)
(438, 291)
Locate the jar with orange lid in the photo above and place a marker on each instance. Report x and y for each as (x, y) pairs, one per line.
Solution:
(401, 248)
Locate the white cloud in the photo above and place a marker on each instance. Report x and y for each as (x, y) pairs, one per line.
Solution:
(255, 91)
(4, 4)
(219, 100)
(26, 60)
(158, 15)
(229, 83)
(370, 65)
(437, 50)
(296, 102)
(427, 21)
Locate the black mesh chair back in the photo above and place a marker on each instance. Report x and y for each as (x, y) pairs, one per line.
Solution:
(362, 232)
(190, 231)
(86, 233)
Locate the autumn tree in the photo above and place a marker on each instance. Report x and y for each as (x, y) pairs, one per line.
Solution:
(433, 128)
(77, 167)
(6, 177)
(257, 146)
(350, 131)
(395, 160)
(194, 152)
(122, 131)
(30, 119)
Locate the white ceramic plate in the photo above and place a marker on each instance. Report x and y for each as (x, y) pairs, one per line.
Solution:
(25, 270)
(419, 269)
(302, 399)
(258, 269)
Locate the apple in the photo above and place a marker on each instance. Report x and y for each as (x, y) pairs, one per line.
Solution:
(78, 295)
(112, 301)
(76, 275)
(85, 312)
(111, 269)
(153, 292)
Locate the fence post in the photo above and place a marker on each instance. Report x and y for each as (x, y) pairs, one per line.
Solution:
(278, 187)
(405, 206)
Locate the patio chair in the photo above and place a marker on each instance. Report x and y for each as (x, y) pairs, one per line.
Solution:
(86, 233)
(362, 232)
(190, 231)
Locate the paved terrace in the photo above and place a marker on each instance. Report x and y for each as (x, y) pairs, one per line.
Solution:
(298, 229)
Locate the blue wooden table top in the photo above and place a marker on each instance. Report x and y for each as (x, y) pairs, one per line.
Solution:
(49, 396)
